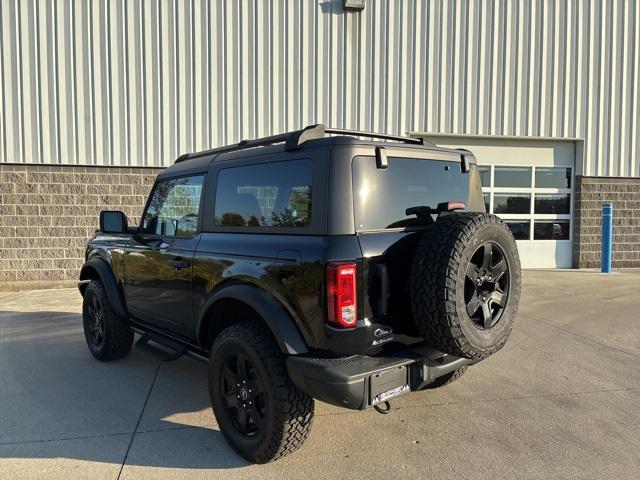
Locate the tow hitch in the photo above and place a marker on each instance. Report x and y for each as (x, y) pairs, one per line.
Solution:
(385, 410)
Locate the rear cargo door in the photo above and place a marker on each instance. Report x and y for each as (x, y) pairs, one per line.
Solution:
(389, 236)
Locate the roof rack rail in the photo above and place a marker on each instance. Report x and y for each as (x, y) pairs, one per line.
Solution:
(384, 136)
(295, 140)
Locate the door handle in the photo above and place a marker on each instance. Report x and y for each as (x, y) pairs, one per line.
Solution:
(178, 263)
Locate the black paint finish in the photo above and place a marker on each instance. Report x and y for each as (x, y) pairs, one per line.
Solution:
(174, 283)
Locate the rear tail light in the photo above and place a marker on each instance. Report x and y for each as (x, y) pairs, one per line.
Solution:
(341, 295)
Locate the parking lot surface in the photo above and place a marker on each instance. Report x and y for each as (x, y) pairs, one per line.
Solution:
(561, 400)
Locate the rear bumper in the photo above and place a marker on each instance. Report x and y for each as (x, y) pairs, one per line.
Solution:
(358, 381)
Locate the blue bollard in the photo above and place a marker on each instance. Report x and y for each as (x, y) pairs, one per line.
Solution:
(607, 237)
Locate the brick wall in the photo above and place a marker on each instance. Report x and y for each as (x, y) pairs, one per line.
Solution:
(591, 193)
(47, 213)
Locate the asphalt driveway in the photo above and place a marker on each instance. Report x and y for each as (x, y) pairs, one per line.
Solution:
(561, 400)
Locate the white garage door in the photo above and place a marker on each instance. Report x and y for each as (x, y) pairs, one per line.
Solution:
(528, 183)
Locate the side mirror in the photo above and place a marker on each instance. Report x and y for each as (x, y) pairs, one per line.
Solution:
(113, 221)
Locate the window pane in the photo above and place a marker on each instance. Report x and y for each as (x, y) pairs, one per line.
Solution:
(382, 196)
(520, 229)
(511, 203)
(551, 230)
(485, 175)
(553, 177)
(486, 201)
(549, 203)
(515, 177)
(174, 207)
(267, 195)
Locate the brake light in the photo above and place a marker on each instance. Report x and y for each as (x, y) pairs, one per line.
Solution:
(341, 295)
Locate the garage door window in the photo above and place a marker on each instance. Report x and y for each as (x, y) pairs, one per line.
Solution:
(553, 177)
(511, 203)
(535, 202)
(551, 203)
(512, 177)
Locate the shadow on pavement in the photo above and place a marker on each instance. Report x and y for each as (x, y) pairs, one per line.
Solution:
(57, 401)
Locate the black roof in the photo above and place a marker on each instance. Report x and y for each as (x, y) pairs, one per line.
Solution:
(312, 136)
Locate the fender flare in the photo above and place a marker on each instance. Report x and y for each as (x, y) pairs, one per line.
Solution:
(104, 272)
(275, 315)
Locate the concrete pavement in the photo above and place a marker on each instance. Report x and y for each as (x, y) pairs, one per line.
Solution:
(561, 400)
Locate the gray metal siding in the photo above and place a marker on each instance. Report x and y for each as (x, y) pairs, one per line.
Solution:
(139, 82)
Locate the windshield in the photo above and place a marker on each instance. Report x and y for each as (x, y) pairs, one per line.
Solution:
(382, 196)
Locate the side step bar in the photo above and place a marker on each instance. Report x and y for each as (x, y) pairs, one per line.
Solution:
(171, 351)
(164, 347)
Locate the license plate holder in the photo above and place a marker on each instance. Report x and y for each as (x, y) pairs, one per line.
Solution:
(388, 384)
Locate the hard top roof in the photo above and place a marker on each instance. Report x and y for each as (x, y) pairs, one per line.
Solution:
(200, 161)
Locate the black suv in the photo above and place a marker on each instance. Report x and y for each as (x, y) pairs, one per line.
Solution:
(349, 268)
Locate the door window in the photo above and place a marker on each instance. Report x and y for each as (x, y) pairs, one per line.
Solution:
(174, 207)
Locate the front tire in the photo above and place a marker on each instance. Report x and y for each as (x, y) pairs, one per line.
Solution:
(260, 411)
(108, 335)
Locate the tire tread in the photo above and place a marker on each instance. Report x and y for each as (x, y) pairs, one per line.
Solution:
(294, 409)
(433, 282)
(118, 334)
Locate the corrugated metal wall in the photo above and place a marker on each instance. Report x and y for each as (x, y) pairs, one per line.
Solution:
(138, 82)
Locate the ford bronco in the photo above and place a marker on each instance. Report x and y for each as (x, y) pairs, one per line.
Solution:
(327, 264)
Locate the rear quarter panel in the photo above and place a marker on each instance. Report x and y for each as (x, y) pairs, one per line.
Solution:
(289, 267)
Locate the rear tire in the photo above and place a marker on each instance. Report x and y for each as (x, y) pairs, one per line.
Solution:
(465, 284)
(109, 336)
(260, 411)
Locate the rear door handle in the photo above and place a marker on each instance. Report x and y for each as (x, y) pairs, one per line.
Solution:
(178, 263)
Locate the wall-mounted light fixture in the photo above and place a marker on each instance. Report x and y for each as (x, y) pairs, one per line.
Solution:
(355, 5)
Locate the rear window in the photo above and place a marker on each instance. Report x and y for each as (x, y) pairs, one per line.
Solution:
(383, 195)
(276, 194)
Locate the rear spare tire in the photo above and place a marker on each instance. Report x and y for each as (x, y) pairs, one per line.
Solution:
(465, 284)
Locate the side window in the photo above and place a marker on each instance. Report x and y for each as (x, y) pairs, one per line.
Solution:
(267, 195)
(174, 207)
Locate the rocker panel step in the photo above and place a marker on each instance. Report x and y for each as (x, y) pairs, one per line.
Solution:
(174, 350)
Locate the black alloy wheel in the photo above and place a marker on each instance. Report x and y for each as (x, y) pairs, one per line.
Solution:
(464, 286)
(245, 400)
(261, 413)
(96, 320)
(486, 289)
(109, 336)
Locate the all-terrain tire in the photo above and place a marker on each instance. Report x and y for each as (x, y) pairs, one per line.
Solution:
(117, 337)
(288, 412)
(447, 379)
(438, 285)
